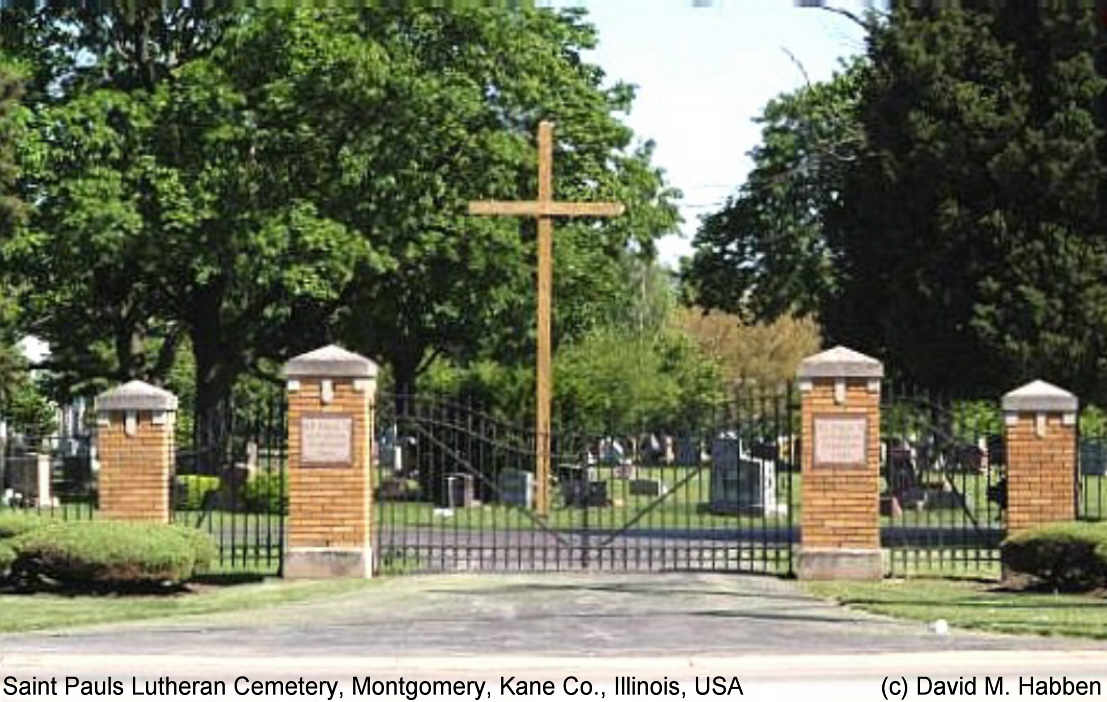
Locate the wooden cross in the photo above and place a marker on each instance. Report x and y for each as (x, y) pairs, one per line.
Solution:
(545, 208)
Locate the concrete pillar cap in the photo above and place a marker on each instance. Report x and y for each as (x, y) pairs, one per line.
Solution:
(1039, 396)
(330, 362)
(839, 362)
(136, 395)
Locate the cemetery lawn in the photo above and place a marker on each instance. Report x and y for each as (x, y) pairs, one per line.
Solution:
(24, 612)
(974, 604)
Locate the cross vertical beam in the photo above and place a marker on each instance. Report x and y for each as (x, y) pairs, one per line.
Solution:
(544, 370)
(544, 209)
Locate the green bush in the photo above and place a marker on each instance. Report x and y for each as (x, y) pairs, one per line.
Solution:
(88, 553)
(16, 522)
(7, 557)
(266, 493)
(191, 490)
(1064, 555)
(399, 489)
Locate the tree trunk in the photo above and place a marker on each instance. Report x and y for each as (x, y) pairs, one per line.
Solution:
(212, 410)
(405, 366)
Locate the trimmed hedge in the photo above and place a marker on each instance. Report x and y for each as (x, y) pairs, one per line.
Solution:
(266, 493)
(85, 553)
(16, 522)
(1065, 555)
(192, 489)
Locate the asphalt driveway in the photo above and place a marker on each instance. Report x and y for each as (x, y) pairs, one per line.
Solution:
(533, 614)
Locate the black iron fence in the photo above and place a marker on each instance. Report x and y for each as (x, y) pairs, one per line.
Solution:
(943, 483)
(1091, 474)
(230, 480)
(456, 489)
(48, 474)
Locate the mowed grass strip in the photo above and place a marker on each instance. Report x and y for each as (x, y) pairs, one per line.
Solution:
(971, 604)
(26, 612)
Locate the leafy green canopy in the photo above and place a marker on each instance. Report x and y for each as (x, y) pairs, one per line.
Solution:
(960, 239)
(297, 176)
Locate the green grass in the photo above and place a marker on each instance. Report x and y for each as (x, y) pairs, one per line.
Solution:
(47, 611)
(972, 604)
(945, 562)
(683, 507)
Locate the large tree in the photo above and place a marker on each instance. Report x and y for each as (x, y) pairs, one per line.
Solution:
(304, 176)
(767, 253)
(459, 125)
(962, 240)
(12, 216)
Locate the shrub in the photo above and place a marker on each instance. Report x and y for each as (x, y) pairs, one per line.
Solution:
(88, 553)
(401, 489)
(266, 493)
(1065, 555)
(192, 489)
(7, 557)
(204, 548)
(16, 522)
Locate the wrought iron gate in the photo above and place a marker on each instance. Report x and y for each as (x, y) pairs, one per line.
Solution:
(943, 483)
(712, 490)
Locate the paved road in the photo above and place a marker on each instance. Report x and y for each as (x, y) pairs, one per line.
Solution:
(551, 614)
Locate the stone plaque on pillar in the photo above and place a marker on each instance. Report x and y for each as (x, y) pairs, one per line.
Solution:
(330, 400)
(840, 441)
(326, 440)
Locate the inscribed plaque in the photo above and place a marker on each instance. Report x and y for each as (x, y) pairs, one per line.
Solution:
(326, 440)
(840, 440)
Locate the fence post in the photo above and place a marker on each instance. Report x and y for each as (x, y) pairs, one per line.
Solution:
(1040, 433)
(840, 419)
(135, 445)
(330, 429)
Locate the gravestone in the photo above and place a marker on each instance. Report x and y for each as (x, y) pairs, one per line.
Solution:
(1093, 457)
(386, 443)
(650, 488)
(688, 452)
(741, 483)
(29, 476)
(652, 452)
(624, 472)
(585, 493)
(390, 454)
(459, 490)
(516, 487)
(611, 452)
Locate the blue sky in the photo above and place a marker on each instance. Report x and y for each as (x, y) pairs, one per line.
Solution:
(704, 73)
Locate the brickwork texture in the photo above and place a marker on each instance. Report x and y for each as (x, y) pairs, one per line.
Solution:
(1041, 472)
(841, 505)
(135, 470)
(329, 507)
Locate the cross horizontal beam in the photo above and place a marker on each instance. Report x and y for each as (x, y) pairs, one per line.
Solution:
(549, 208)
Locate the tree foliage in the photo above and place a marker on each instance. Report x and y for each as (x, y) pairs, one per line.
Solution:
(260, 183)
(767, 252)
(960, 242)
(463, 286)
(763, 354)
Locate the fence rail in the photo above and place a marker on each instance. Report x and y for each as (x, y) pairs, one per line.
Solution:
(456, 491)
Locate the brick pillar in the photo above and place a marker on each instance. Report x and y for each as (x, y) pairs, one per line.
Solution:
(1040, 430)
(135, 446)
(840, 457)
(330, 423)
